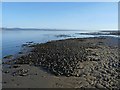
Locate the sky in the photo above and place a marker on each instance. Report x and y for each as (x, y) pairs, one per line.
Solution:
(60, 15)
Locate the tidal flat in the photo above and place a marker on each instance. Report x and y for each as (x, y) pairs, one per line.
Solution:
(69, 63)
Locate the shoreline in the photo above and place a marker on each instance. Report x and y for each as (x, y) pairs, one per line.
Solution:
(62, 36)
(90, 66)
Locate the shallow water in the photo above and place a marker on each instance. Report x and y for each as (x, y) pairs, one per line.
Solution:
(13, 39)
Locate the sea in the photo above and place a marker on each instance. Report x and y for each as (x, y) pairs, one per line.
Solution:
(11, 41)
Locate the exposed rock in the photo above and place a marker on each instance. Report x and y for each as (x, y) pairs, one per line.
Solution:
(76, 57)
(15, 66)
(6, 71)
(99, 86)
(20, 72)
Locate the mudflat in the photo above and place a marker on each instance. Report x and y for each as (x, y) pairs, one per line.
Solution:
(69, 63)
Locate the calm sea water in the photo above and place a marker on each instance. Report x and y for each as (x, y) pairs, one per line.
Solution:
(13, 39)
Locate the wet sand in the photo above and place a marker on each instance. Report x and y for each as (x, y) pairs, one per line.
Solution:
(99, 69)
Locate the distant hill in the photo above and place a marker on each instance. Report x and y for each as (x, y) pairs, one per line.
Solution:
(20, 29)
(41, 29)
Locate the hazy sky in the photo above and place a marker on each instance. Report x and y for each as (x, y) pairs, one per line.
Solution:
(82, 15)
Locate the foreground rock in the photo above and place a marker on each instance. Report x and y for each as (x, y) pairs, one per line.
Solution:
(90, 58)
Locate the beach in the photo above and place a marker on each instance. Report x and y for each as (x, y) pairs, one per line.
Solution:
(68, 63)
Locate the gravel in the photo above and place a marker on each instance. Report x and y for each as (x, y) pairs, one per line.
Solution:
(87, 57)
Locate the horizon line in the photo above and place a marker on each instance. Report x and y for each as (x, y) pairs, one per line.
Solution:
(52, 28)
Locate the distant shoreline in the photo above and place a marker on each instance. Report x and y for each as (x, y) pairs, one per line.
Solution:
(48, 29)
(41, 29)
(102, 33)
(97, 32)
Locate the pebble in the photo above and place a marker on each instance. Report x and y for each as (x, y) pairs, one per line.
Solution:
(15, 66)
(20, 72)
(6, 72)
(99, 86)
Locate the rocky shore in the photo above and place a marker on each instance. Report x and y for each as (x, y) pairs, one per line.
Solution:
(93, 62)
(116, 33)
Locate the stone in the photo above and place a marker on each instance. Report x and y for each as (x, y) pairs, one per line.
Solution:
(23, 74)
(20, 72)
(15, 66)
(77, 75)
(99, 86)
(6, 72)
